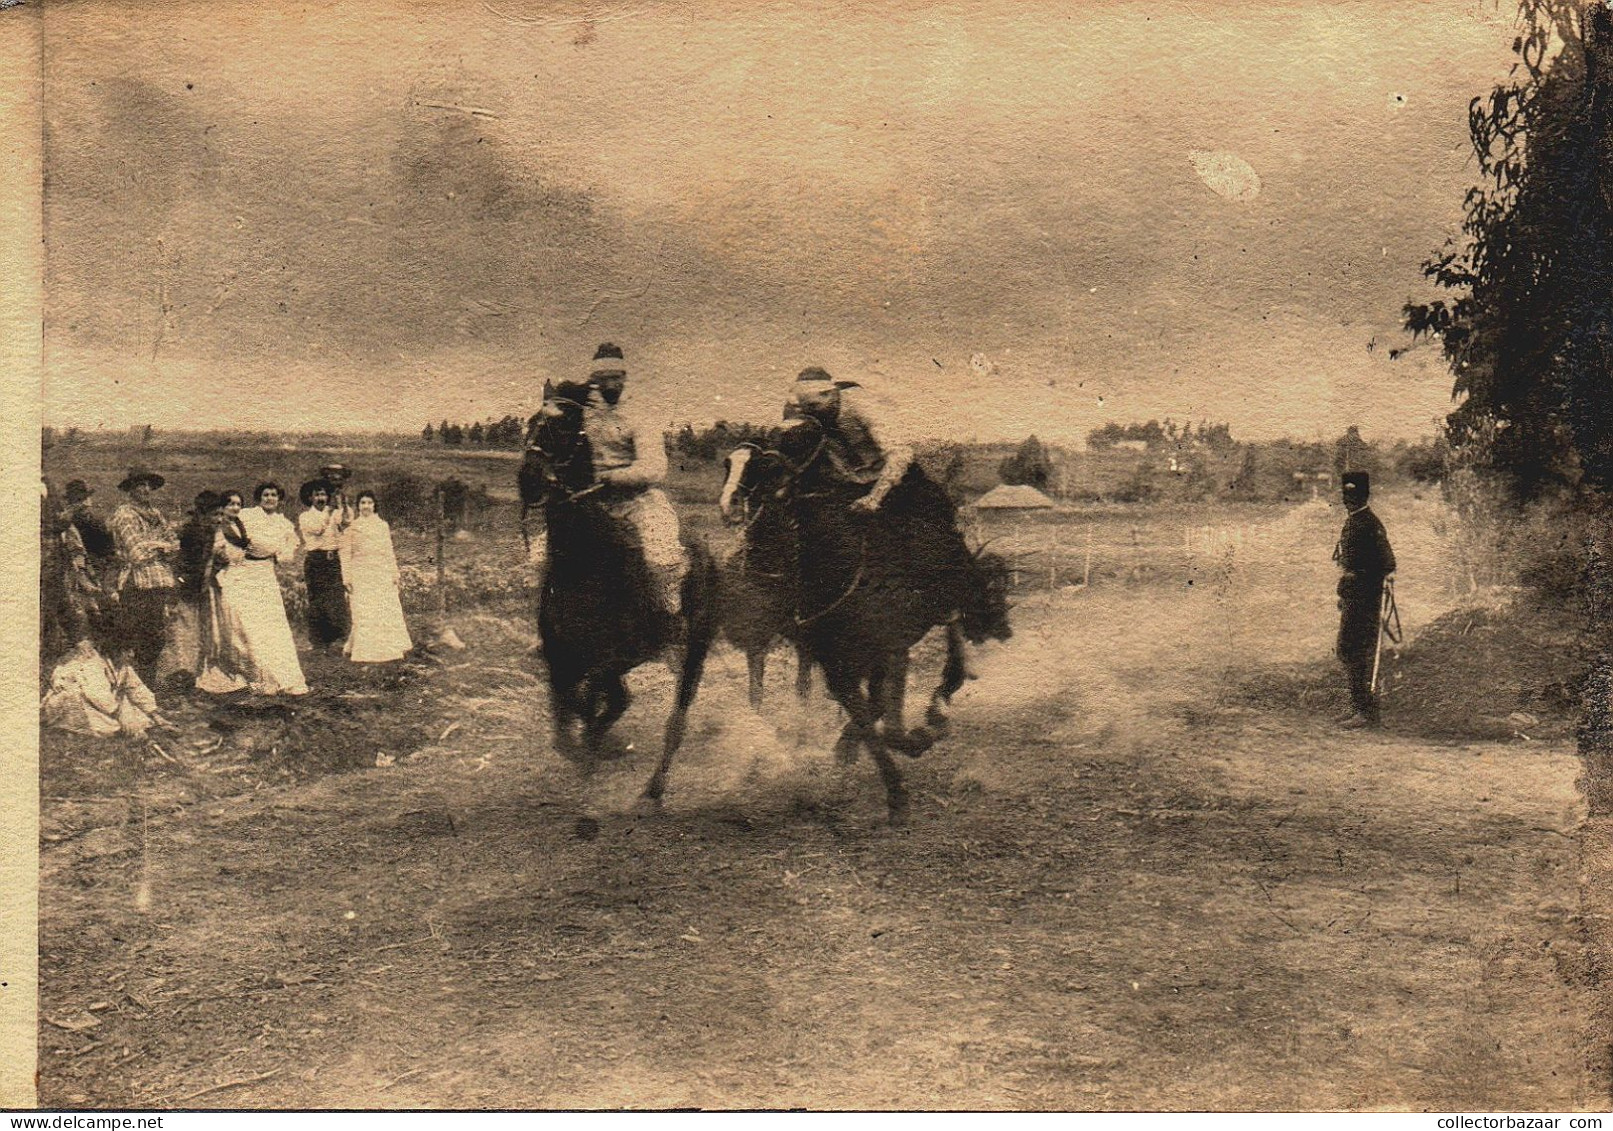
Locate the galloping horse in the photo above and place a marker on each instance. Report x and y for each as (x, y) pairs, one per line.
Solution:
(597, 615)
(759, 583)
(870, 586)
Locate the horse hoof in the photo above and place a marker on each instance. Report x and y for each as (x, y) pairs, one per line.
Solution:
(571, 752)
(913, 744)
(937, 720)
(609, 748)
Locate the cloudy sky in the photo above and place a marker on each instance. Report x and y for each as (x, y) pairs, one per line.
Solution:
(371, 215)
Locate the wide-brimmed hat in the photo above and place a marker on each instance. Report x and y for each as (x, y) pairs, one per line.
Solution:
(816, 377)
(306, 491)
(141, 475)
(78, 491)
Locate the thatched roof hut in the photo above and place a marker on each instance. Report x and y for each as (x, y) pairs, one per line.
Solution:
(1013, 497)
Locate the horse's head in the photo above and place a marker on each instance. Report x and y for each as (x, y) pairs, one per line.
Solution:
(738, 482)
(559, 461)
(752, 472)
(985, 612)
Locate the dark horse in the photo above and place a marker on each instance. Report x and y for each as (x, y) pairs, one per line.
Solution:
(871, 585)
(597, 615)
(759, 583)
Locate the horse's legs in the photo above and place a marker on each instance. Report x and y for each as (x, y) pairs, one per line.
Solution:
(952, 677)
(892, 691)
(756, 665)
(700, 620)
(606, 701)
(851, 735)
(803, 672)
(845, 686)
(563, 706)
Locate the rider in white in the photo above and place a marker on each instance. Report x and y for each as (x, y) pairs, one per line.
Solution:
(864, 449)
(630, 462)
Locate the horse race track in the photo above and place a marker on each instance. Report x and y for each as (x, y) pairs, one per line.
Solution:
(1129, 883)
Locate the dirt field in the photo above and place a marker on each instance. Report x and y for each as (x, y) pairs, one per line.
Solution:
(1130, 882)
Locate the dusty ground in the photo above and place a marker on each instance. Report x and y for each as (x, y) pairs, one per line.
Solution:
(1130, 882)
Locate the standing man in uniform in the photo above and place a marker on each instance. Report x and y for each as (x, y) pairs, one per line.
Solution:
(1366, 561)
(146, 544)
(630, 463)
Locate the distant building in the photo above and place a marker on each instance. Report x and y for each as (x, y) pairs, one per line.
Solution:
(1013, 497)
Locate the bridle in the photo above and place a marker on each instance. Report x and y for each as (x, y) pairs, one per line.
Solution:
(555, 489)
(550, 461)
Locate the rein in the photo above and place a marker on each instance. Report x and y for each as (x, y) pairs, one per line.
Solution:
(856, 583)
(743, 555)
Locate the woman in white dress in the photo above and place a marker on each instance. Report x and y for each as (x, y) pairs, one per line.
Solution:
(254, 636)
(370, 576)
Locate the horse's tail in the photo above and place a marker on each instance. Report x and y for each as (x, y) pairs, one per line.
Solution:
(700, 606)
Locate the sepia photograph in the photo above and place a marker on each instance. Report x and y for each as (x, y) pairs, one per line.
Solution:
(607, 555)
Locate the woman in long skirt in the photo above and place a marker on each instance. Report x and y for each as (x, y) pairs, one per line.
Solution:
(219, 672)
(183, 654)
(254, 636)
(370, 574)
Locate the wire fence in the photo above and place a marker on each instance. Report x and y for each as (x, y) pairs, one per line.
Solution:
(1060, 551)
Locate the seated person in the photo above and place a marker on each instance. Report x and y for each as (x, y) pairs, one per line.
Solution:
(91, 694)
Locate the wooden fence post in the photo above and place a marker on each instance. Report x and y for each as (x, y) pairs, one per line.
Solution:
(442, 571)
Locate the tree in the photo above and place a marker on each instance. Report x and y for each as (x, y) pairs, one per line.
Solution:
(442, 431)
(1425, 461)
(506, 433)
(1028, 465)
(1529, 333)
(1152, 434)
(475, 436)
(1352, 453)
(1105, 438)
(1217, 437)
(426, 433)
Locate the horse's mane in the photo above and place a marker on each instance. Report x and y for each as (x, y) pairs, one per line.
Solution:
(796, 439)
(578, 391)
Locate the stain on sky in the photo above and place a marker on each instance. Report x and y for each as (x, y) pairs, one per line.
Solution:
(421, 197)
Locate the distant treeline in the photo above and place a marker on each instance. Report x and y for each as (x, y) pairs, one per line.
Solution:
(1162, 460)
(1139, 462)
(1126, 463)
(506, 432)
(1154, 434)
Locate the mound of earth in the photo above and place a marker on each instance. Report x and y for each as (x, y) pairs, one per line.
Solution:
(1500, 666)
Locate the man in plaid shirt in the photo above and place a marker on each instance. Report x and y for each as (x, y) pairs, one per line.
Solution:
(146, 542)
